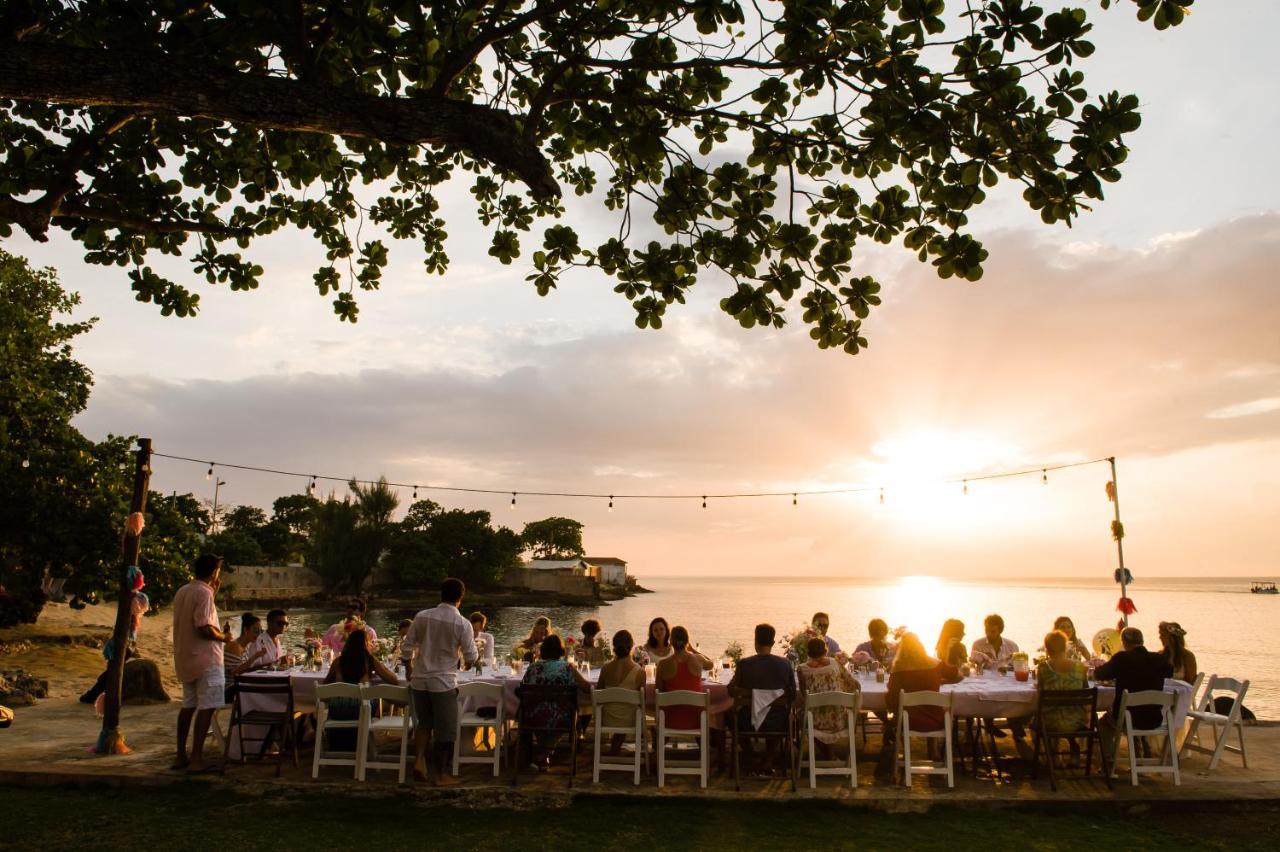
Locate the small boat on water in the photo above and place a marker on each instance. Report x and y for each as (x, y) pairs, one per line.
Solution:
(1264, 589)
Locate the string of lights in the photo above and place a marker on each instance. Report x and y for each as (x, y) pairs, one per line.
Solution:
(795, 495)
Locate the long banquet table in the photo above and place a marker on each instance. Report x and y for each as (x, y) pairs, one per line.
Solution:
(988, 695)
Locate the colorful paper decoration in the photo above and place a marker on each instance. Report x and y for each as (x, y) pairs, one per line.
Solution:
(1126, 607)
(1111, 491)
(1123, 575)
(1117, 530)
(134, 524)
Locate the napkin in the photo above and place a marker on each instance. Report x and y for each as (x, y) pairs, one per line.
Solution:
(760, 701)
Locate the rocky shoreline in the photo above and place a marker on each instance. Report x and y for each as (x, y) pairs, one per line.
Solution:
(415, 598)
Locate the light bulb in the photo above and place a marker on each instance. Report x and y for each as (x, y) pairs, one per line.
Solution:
(415, 492)
(208, 474)
(795, 500)
(610, 502)
(704, 501)
(513, 499)
(1044, 477)
(26, 463)
(966, 486)
(881, 495)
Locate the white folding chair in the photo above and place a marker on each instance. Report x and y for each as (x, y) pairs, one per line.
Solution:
(215, 728)
(484, 694)
(699, 735)
(905, 733)
(324, 724)
(397, 724)
(1205, 714)
(1167, 762)
(634, 698)
(852, 704)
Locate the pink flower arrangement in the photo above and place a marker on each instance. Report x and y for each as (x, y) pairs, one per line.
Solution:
(861, 658)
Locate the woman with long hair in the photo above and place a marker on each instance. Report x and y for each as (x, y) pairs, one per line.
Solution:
(1174, 641)
(622, 672)
(355, 664)
(915, 671)
(1076, 649)
(532, 643)
(658, 646)
(950, 648)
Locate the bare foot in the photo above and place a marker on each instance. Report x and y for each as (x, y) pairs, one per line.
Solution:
(180, 762)
(420, 777)
(446, 780)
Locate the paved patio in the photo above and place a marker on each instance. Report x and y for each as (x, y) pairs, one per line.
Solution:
(49, 744)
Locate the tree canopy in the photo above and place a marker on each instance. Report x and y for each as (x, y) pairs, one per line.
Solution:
(756, 144)
(553, 538)
(432, 543)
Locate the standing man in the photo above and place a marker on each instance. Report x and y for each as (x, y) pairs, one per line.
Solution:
(436, 639)
(197, 657)
(269, 643)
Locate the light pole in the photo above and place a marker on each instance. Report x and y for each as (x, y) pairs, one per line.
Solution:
(213, 519)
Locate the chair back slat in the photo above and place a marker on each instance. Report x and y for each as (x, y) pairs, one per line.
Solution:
(847, 700)
(617, 695)
(925, 698)
(1069, 697)
(683, 697)
(396, 694)
(1148, 698)
(1227, 684)
(265, 685)
(480, 691)
(329, 691)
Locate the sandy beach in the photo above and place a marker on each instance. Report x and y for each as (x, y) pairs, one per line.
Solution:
(64, 647)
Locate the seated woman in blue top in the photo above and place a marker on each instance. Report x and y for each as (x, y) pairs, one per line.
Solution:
(550, 669)
(354, 665)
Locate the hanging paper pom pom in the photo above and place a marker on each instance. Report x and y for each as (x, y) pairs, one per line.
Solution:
(136, 580)
(1126, 606)
(134, 523)
(1111, 491)
(140, 603)
(1117, 530)
(1123, 576)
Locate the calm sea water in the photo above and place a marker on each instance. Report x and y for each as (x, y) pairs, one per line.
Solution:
(1231, 631)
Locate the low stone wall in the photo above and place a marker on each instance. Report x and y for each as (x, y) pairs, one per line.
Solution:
(274, 582)
(559, 582)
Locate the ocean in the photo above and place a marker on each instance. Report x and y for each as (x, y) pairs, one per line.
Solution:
(1231, 631)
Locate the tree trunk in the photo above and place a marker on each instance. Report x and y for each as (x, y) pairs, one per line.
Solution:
(111, 741)
(160, 83)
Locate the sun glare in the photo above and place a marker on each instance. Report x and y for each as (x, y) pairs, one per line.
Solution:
(921, 604)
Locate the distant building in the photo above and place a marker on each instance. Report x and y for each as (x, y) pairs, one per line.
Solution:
(574, 567)
(609, 569)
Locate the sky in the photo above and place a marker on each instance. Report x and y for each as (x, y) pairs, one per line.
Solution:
(1147, 332)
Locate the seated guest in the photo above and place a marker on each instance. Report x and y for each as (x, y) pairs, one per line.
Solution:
(336, 636)
(1060, 672)
(621, 672)
(1173, 642)
(354, 665)
(242, 653)
(950, 648)
(402, 630)
(550, 669)
(682, 671)
(587, 649)
(822, 623)
(1133, 669)
(658, 646)
(484, 641)
(914, 671)
(764, 670)
(533, 642)
(1076, 649)
(269, 642)
(878, 648)
(821, 673)
(993, 649)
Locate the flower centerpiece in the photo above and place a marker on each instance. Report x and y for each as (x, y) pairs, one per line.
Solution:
(310, 649)
(640, 655)
(602, 648)
(385, 649)
(734, 652)
(797, 643)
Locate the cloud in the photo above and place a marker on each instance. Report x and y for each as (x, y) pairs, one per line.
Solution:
(1246, 409)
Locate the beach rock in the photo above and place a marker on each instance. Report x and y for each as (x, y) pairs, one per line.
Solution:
(142, 683)
(19, 689)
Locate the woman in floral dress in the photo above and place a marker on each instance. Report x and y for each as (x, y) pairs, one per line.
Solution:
(821, 673)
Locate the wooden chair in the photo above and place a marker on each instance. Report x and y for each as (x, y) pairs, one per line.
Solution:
(742, 699)
(324, 756)
(278, 721)
(851, 702)
(533, 696)
(601, 698)
(490, 695)
(1086, 702)
(1167, 762)
(1222, 723)
(397, 723)
(905, 733)
(701, 735)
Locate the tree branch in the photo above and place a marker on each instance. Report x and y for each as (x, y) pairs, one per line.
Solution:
(161, 83)
(155, 226)
(461, 60)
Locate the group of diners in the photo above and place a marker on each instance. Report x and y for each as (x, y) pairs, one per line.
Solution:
(439, 641)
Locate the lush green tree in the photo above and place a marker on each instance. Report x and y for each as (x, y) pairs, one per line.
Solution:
(553, 538)
(466, 546)
(190, 507)
(237, 547)
(170, 543)
(295, 511)
(762, 142)
(246, 519)
(411, 555)
(349, 537)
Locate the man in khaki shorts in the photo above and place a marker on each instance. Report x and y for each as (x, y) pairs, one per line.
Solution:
(197, 658)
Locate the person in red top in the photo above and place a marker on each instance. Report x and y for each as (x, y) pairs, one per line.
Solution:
(914, 671)
(682, 671)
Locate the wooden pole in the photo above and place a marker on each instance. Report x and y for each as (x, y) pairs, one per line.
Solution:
(111, 741)
(1115, 500)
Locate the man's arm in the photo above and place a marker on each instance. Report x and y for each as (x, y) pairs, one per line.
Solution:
(467, 640)
(1109, 669)
(208, 631)
(412, 640)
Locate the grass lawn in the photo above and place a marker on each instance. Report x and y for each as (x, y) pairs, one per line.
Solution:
(191, 816)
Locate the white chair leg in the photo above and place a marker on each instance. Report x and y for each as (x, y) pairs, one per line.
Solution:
(1133, 758)
(951, 777)
(404, 752)
(813, 756)
(1244, 758)
(853, 750)
(321, 718)
(1173, 758)
(364, 742)
(906, 752)
(662, 754)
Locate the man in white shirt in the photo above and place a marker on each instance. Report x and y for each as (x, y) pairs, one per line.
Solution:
(436, 639)
(269, 642)
(484, 641)
(993, 646)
